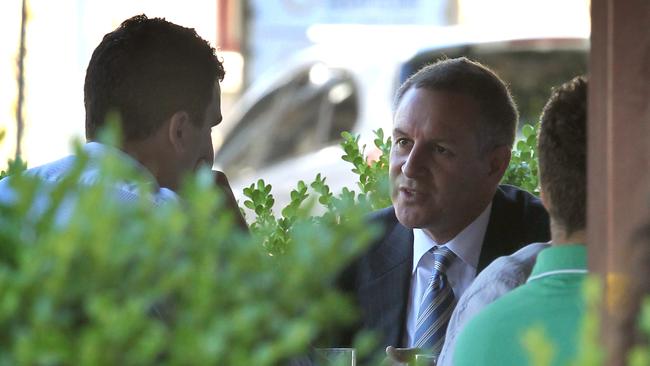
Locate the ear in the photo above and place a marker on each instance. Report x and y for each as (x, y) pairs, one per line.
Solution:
(499, 158)
(178, 130)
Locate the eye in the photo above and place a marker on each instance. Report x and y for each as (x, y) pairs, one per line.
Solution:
(402, 142)
(441, 149)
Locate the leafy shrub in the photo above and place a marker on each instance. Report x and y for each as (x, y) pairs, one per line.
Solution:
(275, 233)
(133, 284)
(91, 281)
(522, 171)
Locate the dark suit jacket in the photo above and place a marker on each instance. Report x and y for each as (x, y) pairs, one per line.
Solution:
(379, 280)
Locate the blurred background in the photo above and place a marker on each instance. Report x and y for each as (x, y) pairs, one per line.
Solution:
(298, 72)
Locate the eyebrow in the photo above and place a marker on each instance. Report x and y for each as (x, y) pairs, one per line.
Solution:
(399, 131)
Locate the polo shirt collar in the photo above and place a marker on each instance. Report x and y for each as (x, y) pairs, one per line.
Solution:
(560, 259)
(97, 150)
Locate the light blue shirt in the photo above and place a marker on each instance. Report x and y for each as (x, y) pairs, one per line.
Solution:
(54, 172)
(500, 277)
(467, 248)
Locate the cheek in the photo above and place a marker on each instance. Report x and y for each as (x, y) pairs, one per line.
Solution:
(394, 164)
(207, 143)
(469, 178)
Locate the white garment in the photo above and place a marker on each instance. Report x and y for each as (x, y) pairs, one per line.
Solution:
(467, 248)
(500, 277)
(54, 172)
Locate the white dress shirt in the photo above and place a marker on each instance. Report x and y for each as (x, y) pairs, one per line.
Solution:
(462, 271)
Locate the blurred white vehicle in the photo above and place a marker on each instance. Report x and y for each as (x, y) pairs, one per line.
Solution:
(287, 126)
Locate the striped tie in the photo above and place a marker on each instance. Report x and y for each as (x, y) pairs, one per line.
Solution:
(438, 302)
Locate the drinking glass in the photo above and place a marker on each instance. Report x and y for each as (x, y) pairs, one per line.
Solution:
(335, 357)
(425, 360)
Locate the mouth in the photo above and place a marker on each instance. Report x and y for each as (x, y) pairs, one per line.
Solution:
(410, 193)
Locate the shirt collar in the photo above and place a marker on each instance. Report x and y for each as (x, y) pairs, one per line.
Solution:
(563, 258)
(466, 245)
(97, 150)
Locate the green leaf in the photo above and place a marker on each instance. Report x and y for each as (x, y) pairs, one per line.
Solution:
(521, 145)
(528, 130)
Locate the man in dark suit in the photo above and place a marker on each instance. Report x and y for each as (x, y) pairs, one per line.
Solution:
(454, 126)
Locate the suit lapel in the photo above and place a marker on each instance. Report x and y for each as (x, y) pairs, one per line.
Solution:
(505, 232)
(387, 287)
(494, 233)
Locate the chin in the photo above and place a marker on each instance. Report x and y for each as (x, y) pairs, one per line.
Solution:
(409, 218)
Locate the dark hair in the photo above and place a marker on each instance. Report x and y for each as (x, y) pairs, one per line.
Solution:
(471, 78)
(563, 156)
(145, 71)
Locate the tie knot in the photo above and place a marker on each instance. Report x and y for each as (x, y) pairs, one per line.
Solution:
(442, 257)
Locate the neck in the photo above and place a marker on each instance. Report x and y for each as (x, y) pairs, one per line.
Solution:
(442, 235)
(147, 156)
(560, 236)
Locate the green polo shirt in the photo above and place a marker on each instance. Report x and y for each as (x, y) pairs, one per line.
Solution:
(551, 299)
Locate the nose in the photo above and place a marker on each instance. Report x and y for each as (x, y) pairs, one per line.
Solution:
(412, 167)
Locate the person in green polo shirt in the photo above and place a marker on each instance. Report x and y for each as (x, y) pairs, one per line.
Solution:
(551, 299)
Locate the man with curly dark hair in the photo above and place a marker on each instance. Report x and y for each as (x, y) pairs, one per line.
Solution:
(159, 82)
(551, 299)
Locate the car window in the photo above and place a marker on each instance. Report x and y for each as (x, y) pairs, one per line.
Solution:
(302, 115)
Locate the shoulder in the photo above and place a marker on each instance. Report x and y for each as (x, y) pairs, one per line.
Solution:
(511, 198)
(500, 277)
(515, 195)
(384, 216)
(388, 226)
(514, 208)
(388, 246)
(7, 194)
(53, 171)
(50, 172)
(493, 333)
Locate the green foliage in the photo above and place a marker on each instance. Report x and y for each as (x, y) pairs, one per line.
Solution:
(640, 354)
(522, 171)
(87, 280)
(276, 232)
(539, 348)
(14, 167)
(373, 175)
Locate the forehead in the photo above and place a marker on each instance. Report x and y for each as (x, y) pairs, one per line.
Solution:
(436, 111)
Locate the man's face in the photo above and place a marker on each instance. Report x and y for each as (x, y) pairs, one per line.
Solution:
(199, 150)
(439, 178)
